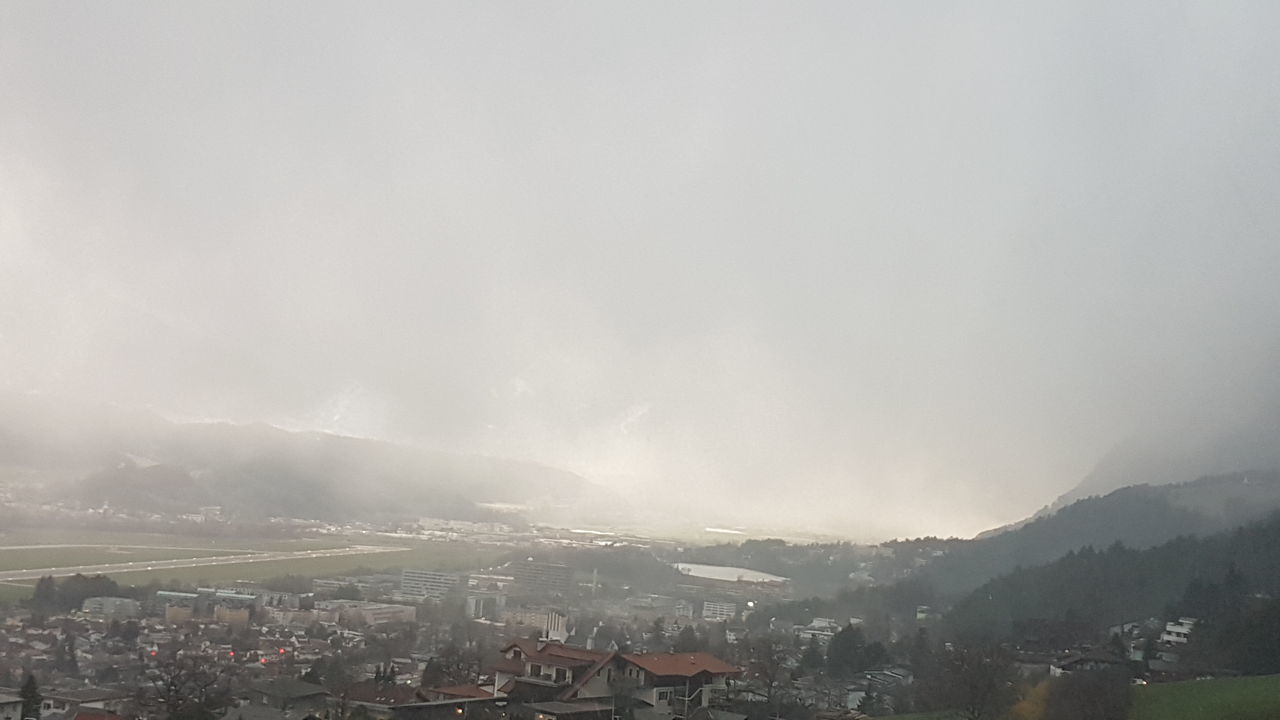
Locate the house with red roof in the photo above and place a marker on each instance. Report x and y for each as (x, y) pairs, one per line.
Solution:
(677, 683)
(545, 670)
(539, 671)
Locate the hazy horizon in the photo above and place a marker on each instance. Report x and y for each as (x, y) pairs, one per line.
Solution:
(896, 268)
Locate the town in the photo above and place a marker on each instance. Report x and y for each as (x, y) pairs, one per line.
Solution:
(612, 631)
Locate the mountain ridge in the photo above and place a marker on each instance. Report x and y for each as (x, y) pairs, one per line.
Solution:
(133, 459)
(1139, 516)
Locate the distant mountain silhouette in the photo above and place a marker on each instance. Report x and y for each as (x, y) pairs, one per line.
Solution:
(1244, 436)
(136, 460)
(1229, 436)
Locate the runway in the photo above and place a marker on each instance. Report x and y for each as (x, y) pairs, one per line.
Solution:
(236, 559)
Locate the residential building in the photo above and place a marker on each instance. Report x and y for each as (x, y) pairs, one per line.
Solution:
(1178, 632)
(236, 617)
(455, 692)
(1088, 661)
(10, 707)
(552, 623)
(677, 683)
(487, 605)
(87, 713)
(821, 629)
(359, 612)
(65, 701)
(541, 578)
(286, 693)
(380, 584)
(719, 610)
(539, 670)
(430, 584)
(378, 699)
(459, 708)
(531, 671)
(557, 710)
(178, 614)
(112, 608)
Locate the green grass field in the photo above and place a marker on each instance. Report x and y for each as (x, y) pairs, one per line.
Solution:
(431, 556)
(1246, 698)
(12, 593)
(100, 548)
(53, 557)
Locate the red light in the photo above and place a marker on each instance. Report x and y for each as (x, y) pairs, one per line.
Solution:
(232, 653)
(281, 651)
(153, 653)
(263, 661)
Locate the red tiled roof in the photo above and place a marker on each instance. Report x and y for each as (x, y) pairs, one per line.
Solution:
(681, 664)
(555, 653)
(585, 677)
(511, 666)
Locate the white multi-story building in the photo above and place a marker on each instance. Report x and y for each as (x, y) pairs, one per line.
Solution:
(429, 584)
(367, 613)
(719, 610)
(1177, 632)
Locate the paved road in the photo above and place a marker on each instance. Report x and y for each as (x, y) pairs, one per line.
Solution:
(145, 565)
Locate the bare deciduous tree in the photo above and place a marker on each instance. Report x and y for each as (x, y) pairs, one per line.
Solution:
(186, 687)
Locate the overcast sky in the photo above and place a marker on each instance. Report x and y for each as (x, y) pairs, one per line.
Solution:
(884, 268)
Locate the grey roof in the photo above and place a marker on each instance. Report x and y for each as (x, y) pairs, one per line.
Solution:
(83, 695)
(286, 687)
(556, 707)
(250, 711)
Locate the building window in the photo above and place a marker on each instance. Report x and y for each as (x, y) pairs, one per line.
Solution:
(664, 696)
(535, 669)
(561, 675)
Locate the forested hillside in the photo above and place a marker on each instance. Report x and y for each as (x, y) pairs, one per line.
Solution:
(1139, 517)
(1098, 588)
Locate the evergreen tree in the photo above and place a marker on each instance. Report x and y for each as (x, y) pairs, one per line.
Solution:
(129, 632)
(44, 599)
(31, 698)
(812, 657)
(847, 653)
(687, 641)
(72, 664)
